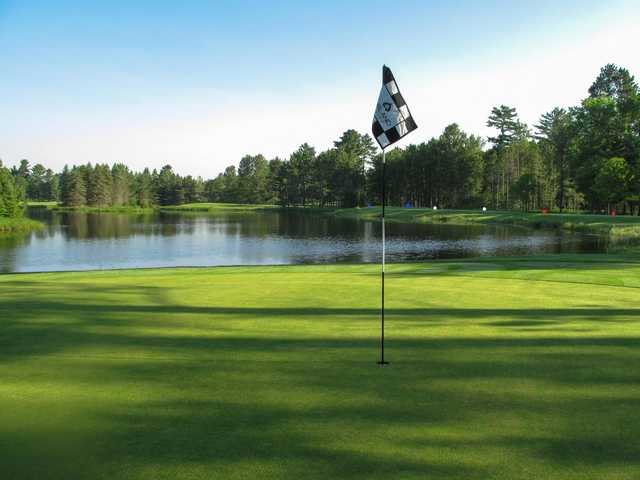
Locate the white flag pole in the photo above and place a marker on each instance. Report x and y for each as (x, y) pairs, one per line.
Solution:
(382, 362)
(392, 120)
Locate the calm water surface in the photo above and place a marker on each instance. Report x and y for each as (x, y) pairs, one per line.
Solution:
(83, 241)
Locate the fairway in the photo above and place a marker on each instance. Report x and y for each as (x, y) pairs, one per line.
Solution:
(500, 368)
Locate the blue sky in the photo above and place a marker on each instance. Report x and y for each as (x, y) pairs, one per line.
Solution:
(199, 84)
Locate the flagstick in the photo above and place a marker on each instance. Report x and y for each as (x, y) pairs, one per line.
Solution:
(382, 362)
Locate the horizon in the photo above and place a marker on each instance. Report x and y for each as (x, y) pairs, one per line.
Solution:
(127, 84)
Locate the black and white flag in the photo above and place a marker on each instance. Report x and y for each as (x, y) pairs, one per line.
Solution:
(392, 119)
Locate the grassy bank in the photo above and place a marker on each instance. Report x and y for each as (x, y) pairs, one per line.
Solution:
(57, 207)
(208, 207)
(35, 204)
(505, 369)
(119, 209)
(188, 207)
(17, 226)
(620, 228)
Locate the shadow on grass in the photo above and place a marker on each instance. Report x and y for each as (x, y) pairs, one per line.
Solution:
(284, 405)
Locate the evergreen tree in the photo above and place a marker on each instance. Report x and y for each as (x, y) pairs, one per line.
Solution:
(75, 193)
(144, 189)
(214, 189)
(99, 186)
(301, 171)
(121, 185)
(556, 134)
(36, 183)
(9, 201)
(52, 186)
(193, 189)
(252, 186)
(230, 182)
(21, 178)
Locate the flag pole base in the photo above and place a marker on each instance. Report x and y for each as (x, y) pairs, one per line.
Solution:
(382, 363)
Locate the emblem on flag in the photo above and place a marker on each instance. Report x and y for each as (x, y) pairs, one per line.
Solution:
(392, 119)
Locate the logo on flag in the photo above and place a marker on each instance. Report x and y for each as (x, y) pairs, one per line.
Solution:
(392, 119)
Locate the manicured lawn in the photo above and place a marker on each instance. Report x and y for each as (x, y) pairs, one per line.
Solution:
(509, 369)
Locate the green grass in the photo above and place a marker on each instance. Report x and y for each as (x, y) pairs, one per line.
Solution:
(623, 230)
(38, 204)
(572, 221)
(216, 208)
(58, 207)
(500, 368)
(18, 226)
(114, 209)
(208, 207)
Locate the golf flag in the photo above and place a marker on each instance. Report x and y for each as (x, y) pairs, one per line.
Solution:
(392, 119)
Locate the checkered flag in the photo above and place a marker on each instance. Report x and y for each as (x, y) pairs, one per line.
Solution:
(392, 119)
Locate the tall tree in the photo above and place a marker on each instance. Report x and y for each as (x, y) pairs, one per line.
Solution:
(505, 120)
(301, 171)
(9, 202)
(21, 176)
(52, 186)
(502, 166)
(230, 191)
(121, 184)
(35, 182)
(253, 172)
(75, 191)
(99, 186)
(556, 132)
(612, 181)
(192, 189)
(144, 189)
(166, 186)
(353, 153)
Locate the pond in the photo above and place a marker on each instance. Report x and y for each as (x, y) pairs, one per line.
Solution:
(86, 241)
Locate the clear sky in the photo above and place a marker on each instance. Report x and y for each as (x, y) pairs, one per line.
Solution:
(198, 84)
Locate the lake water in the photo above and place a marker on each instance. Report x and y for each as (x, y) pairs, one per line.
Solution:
(84, 241)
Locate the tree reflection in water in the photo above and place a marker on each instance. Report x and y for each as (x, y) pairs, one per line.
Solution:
(77, 240)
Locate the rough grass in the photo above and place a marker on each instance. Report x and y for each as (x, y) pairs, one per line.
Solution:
(506, 369)
(15, 226)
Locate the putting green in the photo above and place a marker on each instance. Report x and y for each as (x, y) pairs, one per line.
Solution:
(500, 368)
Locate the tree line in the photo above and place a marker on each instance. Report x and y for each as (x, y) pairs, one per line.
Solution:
(584, 157)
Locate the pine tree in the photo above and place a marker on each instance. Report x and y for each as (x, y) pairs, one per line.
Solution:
(99, 186)
(144, 189)
(75, 194)
(9, 202)
(121, 185)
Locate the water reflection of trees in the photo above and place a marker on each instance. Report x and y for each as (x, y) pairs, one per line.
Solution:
(79, 225)
(8, 247)
(283, 237)
(82, 225)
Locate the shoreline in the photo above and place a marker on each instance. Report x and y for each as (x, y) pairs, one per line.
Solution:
(621, 231)
(620, 258)
(18, 226)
